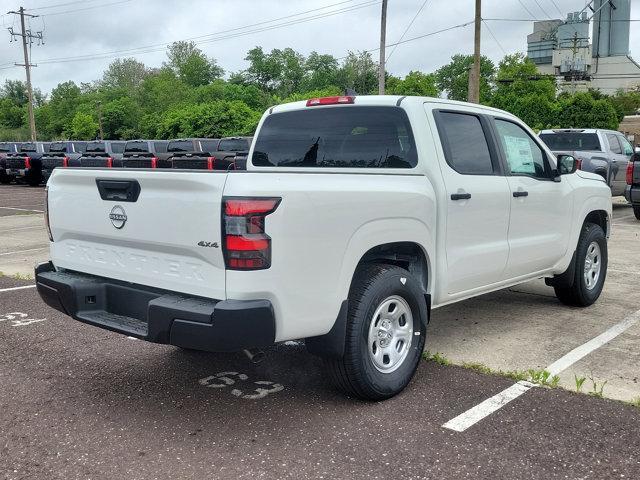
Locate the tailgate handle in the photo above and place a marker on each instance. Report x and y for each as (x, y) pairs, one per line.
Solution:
(118, 190)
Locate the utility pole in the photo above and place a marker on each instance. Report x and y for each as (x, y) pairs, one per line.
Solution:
(27, 35)
(383, 39)
(473, 95)
(99, 105)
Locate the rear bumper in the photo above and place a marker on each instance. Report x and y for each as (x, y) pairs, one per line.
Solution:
(632, 194)
(157, 315)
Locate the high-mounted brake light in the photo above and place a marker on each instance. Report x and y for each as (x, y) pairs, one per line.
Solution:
(246, 246)
(154, 162)
(109, 162)
(27, 162)
(630, 173)
(211, 161)
(342, 99)
(65, 162)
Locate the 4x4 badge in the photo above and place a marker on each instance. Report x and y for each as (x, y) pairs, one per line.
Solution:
(118, 217)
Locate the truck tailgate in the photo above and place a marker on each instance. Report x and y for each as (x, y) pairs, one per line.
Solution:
(169, 237)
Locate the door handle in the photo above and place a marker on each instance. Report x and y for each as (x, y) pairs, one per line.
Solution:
(520, 193)
(460, 196)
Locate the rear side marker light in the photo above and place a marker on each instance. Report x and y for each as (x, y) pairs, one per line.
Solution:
(154, 162)
(211, 162)
(630, 173)
(246, 246)
(27, 162)
(340, 100)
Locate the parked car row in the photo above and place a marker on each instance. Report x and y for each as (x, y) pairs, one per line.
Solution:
(33, 162)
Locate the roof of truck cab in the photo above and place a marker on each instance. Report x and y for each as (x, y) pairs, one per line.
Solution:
(576, 130)
(389, 100)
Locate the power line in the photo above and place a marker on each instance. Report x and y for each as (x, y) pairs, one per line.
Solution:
(75, 10)
(493, 36)
(59, 5)
(218, 36)
(556, 6)
(525, 7)
(408, 27)
(545, 19)
(543, 10)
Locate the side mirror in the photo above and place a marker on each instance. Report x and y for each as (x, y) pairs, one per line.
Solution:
(567, 164)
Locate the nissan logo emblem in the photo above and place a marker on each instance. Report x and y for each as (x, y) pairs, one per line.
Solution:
(118, 217)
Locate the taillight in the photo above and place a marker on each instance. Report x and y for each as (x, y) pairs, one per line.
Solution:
(154, 162)
(46, 212)
(342, 99)
(211, 161)
(578, 163)
(65, 162)
(246, 245)
(27, 162)
(109, 162)
(630, 173)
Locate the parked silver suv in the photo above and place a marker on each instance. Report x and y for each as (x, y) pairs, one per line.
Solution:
(605, 152)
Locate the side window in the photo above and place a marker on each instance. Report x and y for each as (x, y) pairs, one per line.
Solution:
(627, 149)
(523, 155)
(464, 143)
(614, 144)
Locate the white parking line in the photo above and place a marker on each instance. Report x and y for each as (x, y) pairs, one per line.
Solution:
(22, 251)
(23, 209)
(493, 404)
(16, 288)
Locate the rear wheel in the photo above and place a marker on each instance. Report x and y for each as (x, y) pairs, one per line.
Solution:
(385, 333)
(636, 211)
(590, 268)
(34, 179)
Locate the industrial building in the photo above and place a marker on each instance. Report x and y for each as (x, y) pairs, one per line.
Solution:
(563, 48)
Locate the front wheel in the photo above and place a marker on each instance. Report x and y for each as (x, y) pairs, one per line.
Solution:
(636, 211)
(385, 333)
(590, 268)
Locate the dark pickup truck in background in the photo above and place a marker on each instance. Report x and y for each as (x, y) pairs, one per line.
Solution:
(6, 148)
(102, 153)
(230, 147)
(146, 154)
(193, 153)
(60, 154)
(19, 165)
(632, 192)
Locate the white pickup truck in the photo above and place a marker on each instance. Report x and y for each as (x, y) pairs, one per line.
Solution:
(356, 216)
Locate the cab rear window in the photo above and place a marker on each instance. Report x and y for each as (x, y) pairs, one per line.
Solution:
(337, 137)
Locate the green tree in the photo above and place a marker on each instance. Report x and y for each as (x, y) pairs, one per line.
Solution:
(191, 65)
(581, 110)
(125, 73)
(11, 114)
(280, 71)
(358, 72)
(320, 72)
(453, 78)
(83, 126)
(415, 83)
(63, 104)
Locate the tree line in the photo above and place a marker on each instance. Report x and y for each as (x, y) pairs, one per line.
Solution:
(189, 96)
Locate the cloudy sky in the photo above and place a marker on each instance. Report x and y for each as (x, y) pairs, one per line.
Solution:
(82, 37)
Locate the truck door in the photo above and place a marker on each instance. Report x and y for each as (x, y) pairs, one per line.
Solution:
(478, 201)
(540, 207)
(618, 168)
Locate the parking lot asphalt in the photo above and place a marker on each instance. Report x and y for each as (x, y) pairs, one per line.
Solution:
(80, 402)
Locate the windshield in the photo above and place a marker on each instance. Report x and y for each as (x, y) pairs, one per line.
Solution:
(181, 146)
(136, 146)
(233, 145)
(94, 147)
(571, 141)
(58, 147)
(347, 137)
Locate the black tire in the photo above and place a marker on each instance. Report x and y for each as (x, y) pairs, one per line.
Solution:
(5, 179)
(355, 373)
(34, 180)
(579, 295)
(636, 211)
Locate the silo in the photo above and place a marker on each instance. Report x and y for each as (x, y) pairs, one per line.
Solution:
(611, 27)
